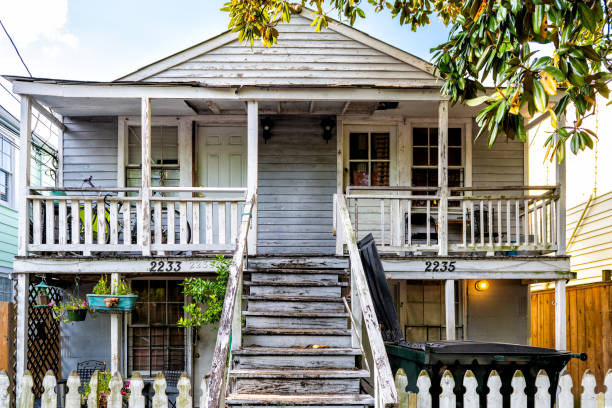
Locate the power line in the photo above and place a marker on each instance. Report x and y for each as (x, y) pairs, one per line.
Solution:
(9, 92)
(15, 48)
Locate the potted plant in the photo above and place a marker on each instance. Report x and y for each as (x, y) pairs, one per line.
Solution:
(74, 310)
(118, 298)
(103, 390)
(43, 295)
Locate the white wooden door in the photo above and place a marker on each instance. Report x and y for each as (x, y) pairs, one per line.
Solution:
(222, 162)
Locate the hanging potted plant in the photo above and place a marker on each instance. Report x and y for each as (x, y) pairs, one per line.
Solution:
(74, 310)
(118, 298)
(43, 294)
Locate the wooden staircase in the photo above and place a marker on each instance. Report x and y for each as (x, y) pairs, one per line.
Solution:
(289, 313)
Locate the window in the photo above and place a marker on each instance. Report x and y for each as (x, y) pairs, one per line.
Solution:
(369, 158)
(6, 168)
(164, 156)
(425, 157)
(155, 342)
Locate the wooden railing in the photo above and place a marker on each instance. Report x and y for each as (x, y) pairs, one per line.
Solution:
(480, 219)
(230, 324)
(90, 220)
(362, 312)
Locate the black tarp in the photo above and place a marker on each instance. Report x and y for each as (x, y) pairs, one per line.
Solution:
(379, 290)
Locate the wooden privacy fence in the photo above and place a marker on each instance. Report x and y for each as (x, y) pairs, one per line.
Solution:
(119, 396)
(563, 398)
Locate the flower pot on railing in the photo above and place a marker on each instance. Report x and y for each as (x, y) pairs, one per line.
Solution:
(117, 303)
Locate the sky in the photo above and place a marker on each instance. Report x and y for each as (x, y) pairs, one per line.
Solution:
(104, 40)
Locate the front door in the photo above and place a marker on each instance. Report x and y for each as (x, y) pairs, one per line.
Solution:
(222, 162)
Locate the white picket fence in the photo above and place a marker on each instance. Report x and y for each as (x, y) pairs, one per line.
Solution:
(25, 396)
(518, 398)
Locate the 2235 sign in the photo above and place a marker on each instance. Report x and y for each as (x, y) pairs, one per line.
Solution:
(439, 266)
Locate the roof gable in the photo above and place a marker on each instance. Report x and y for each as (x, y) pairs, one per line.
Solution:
(337, 56)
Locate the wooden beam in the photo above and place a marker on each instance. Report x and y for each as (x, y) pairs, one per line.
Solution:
(560, 315)
(23, 175)
(47, 114)
(252, 168)
(145, 191)
(443, 178)
(21, 352)
(560, 180)
(449, 306)
(115, 332)
(214, 108)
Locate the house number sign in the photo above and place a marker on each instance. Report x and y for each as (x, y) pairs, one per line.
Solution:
(439, 266)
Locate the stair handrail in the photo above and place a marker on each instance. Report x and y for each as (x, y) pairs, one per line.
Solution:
(228, 314)
(384, 384)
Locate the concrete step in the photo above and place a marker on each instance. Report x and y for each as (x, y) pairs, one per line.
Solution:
(296, 320)
(296, 337)
(305, 288)
(297, 381)
(288, 357)
(295, 400)
(294, 304)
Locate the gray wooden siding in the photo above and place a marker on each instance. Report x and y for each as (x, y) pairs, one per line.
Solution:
(591, 249)
(90, 148)
(301, 57)
(501, 165)
(297, 180)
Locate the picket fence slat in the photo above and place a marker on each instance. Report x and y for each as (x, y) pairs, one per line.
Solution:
(73, 398)
(184, 399)
(25, 398)
(48, 399)
(204, 397)
(160, 399)
(115, 399)
(494, 398)
(5, 397)
(136, 399)
(92, 401)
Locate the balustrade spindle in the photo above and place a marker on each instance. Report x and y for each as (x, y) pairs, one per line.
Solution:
(172, 222)
(565, 398)
(471, 399)
(588, 398)
(482, 223)
(447, 396)
(424, 384)
(101, 218)
(183, 223)
(518, 398)
(499, 222)
(428, 226)
(36, 223)
(62, 227)
(508, 223)
(160, 399)
(48, 399)
(50, 221)
(136, 399)
(472, 223)
(221, 214)
(184, 400)
(209, 222)
(542, 397)
(88, 222)
(114, 230)
(494, 397)
(195, 233)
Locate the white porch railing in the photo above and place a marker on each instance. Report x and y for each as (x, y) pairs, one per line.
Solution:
(480, 219)
(362, 313)
(563, 398)
(85, 221)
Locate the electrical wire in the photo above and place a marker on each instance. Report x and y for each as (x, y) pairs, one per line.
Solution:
(15, 48)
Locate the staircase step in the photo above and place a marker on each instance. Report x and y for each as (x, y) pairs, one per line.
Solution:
(281, 276)
(300, 270)
(276, 351)
(320, 400)
(294, 304)
(296, 320)
(297, 381)
(296, 337)
(330, 289)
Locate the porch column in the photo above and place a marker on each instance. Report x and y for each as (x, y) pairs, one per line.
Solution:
(115, 332)
(560, 302)
(560, 316)
(22, 298)
(449, 285)
(145, 191)
(252, 169)
(23, 175)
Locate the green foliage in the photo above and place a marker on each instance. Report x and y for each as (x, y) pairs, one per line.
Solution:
(104, 288)
(60, 309)
(207, 296)
(490, 40)
(103, 391)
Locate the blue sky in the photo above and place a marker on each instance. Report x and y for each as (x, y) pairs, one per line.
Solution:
(103, 40)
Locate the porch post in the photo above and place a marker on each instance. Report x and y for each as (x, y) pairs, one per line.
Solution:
(560, 316)
(22, 298)
(115, 332)
(145, 191)
(560, 301)
(252, 168)
(23, 175)
(449, 285)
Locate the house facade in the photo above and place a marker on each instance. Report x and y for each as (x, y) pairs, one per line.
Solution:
(283, 158)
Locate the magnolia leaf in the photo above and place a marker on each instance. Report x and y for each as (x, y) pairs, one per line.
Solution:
(586, 16)
(540, 97)
(477, 101)
(555, 72)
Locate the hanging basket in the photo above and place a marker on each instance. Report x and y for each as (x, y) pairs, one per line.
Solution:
(112, 303)
(76, 315)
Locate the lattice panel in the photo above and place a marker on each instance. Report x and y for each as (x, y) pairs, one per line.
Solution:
(44, 342)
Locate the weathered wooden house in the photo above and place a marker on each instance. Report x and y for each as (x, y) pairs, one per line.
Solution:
(283, 158)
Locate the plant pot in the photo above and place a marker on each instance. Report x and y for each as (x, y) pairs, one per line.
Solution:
(43, 300)
(124, 303)
(76, 315)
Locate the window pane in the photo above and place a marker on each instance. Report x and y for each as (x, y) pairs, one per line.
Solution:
(140, 337)
(455, 178)
(454, 156)
(176, 359)
(433, 156)
(175, 311)
(177, 337)
(419, 156)
(358, 146)
(140, 359)
(175, 291)
(419, 136)
(380, 174)
(419, 177)
(433, 136)
(140, 314)
(140, 288)
(158, 313)
(359, 174)
(454, 137)
(157, 359)
(158, 291)
(380, 146)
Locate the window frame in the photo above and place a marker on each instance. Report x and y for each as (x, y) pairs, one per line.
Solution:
(369, 129)
(8, 172)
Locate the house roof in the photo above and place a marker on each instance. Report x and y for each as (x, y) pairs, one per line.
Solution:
(339, 55)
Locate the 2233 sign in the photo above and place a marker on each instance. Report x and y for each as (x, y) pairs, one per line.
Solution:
(165, 266)
(439, 266)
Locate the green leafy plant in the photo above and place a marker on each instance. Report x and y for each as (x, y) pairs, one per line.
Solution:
(60, 309)
(103, 392)
(102, 287)
(122, 288)
(207, 296)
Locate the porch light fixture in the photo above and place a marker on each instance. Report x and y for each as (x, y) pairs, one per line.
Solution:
(482, 285)
(266, 125)
(328, 124)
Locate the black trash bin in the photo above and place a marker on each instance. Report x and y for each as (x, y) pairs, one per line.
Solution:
(459, 356)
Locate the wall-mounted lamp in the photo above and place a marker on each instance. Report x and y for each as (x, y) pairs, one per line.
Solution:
(328, 124)
(482, 285)
(266, 125)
